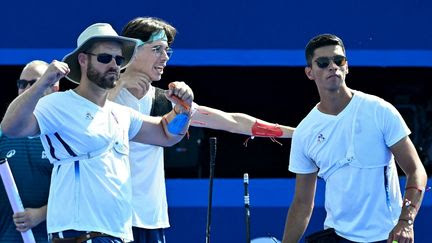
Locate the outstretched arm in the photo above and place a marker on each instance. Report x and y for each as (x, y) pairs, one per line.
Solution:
(238, 123)
(19, 120)
(301, 208)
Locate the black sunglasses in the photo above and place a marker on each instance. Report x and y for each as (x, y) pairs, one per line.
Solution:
(106, 58)
(323, 62)
(22, 83)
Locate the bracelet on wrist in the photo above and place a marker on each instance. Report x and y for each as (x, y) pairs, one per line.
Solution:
(410, 222)
(175, 111)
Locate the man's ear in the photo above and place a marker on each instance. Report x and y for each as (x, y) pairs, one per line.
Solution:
(309, 74)
(82, 59)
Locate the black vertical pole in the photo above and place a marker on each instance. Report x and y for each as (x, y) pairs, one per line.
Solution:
(247, 205)
(210, 195)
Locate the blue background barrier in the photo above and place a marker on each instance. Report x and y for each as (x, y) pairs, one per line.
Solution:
(225, 32)
(270, 199)
(271, 33)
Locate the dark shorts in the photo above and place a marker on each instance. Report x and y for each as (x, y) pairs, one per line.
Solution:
(330, 236)
(148, 235)
(68, 234)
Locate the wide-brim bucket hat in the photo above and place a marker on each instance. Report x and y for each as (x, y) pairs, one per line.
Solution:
(96, 33)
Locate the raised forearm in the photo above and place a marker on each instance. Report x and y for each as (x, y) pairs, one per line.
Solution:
(19, 114)
(175, 125)
(19, 120)
(172, 126)
(157, 131)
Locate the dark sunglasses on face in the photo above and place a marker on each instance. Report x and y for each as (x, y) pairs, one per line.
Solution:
(22, 83)
(106, 58)
(323, 62)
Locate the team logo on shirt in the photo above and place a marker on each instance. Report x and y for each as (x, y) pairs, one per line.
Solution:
(320, 138)
(44, 156)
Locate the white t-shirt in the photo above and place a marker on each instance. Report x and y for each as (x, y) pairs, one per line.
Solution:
(92, 194)
(362, 197)
(150, 208)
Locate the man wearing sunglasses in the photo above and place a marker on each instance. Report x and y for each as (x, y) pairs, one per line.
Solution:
(352, 140)
(86, 137)
(31, 170)
(31, 72)
(135, 90)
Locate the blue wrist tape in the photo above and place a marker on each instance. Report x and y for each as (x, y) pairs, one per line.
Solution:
(177, 124)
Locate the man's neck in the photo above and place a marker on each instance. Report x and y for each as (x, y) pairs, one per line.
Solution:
(334, 102)
(92, 92)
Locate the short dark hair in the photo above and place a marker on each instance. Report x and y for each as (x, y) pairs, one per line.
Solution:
(143, 27)
(320, 41)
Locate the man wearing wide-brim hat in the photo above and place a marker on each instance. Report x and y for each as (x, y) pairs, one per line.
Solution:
(86, 137)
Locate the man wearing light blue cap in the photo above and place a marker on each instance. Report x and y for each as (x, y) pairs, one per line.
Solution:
(136, 90)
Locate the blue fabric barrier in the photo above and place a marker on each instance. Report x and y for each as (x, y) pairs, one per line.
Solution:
(270, 199)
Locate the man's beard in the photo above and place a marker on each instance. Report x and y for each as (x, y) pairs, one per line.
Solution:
(105, 80)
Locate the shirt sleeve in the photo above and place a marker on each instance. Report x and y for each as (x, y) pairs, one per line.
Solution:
(392, 124)
(45, 115)
(136, 120)
(299, 162)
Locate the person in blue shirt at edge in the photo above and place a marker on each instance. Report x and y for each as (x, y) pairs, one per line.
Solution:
(31, 170)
